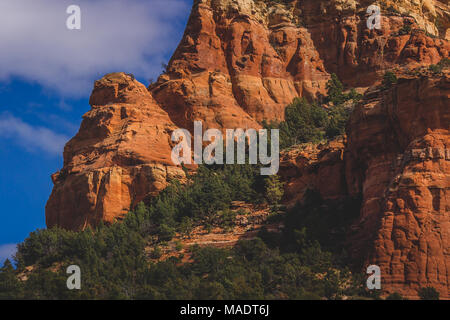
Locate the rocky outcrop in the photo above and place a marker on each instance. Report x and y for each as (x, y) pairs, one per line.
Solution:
(314, 167)
(120, 156)
(398, 156)
(241, 62)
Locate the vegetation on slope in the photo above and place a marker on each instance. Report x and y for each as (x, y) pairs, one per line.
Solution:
(306, 261)
(310, 122)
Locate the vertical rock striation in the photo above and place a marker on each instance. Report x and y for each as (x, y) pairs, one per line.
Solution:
(398, 155)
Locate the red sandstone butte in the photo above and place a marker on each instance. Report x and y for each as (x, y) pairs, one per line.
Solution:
(120, 155)
(241, 62)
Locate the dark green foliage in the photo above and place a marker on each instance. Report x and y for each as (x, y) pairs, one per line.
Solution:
(114, 264)
(226, 219)
(203, 200)
(108, 258)
(166, 233)
(395, 296)
(405, 29)
(178, 246)
(337, 121)
(304, 123)
(250, 271)
(335, 92)
(207, 195)
(156, 253)
(437, 68)
(114, 259)
(434, 68)
(309, 122)
(274, 190)
(186, 226)
(10, 286)
(428, 293)
(326, 222)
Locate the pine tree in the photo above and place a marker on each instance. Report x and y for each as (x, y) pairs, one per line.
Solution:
(335, 90)
(10, 286)
(274, 190)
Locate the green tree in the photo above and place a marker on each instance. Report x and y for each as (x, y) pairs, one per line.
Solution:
(207, 195)
(338, 118)
(310, 123)
(335, 91)
(304, 123)
(10, 286)
(186, 226)
(389, 79)
(428, 293)
(156, 253)
(227, 219)
(395, 296)
(166, 233)
(274, 190)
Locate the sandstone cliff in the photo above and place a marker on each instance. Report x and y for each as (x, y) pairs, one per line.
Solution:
(243, 61)
(120, 155)
(398, 156)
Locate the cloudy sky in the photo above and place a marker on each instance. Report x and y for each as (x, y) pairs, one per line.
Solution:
(46, 75)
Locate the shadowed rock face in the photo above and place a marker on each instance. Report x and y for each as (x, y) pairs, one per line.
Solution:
(243, 61)
(398, 156)
(314, 167)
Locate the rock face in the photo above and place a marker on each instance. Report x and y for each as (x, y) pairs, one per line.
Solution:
(241, 62)
(244, 60)
(398, 156)
(314, 167)
(120, 156)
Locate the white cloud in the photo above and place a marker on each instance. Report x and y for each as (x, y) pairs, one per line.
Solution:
(31, 137)
(116, 35)
(6, 252)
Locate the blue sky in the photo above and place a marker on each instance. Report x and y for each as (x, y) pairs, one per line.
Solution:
(46, 77)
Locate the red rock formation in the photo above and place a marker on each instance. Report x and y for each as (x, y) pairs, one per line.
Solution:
(314, 167)
(398, 155)
(398, 158)
(120, 155)
(243, 61)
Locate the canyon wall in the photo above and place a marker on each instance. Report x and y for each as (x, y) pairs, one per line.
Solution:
(398, 155)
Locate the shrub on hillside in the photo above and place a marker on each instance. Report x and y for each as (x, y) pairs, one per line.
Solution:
(389, 79)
